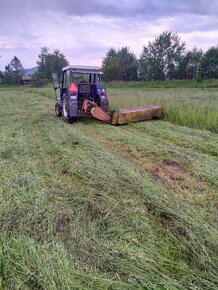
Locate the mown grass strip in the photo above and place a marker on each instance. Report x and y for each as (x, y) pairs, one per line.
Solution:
(78, 208)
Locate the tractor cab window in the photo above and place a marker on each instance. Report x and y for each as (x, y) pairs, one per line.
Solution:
(95, 79)
(98, 79)
(67, 79)
(80, 78)
(86, 78)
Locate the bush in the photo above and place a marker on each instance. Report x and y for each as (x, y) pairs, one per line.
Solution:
(198, 78)
(37, 82)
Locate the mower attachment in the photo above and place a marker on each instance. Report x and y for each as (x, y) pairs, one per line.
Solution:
(122, 116)
(137, 114)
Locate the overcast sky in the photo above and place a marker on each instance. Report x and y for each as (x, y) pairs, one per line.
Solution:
(85, 29)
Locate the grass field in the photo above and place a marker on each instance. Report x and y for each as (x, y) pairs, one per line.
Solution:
(92, 206)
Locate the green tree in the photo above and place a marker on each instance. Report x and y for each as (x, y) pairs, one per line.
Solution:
(120, 65)
(42, 63)
(50, 62)
(9, 75)
(128, 64)
(110, 66)
(189, 64)
(209, 63)
(14, 71)
(160, 59)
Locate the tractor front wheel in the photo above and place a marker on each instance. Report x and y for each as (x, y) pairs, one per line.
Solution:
(66, 114)
(57, 111)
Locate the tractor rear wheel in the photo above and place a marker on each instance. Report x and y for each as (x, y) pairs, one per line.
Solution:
(66, 114)
(57, 111)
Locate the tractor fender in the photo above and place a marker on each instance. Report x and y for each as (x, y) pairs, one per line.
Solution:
(104, 103)
(72, 102)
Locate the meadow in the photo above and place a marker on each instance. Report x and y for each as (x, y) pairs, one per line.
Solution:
(93, 206)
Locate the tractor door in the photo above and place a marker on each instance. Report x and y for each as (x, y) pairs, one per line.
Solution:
(56, 85)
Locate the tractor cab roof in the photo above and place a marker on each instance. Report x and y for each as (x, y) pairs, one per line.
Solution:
(83, 69)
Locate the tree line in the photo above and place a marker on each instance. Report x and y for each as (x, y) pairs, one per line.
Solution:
(164, 58)
(47, 64)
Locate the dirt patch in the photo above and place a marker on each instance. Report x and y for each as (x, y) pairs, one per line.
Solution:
(75, 143)
(176, 177)
(172, 165)
(65, 171)
(62, 224)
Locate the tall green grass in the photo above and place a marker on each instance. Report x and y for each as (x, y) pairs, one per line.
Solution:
(164, 84)
(196, 108)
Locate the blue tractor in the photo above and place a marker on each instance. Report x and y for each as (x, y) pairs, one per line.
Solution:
(79, 84)
(80, 93)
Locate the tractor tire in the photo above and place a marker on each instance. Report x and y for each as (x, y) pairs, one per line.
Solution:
(57, 111)
(65, 113)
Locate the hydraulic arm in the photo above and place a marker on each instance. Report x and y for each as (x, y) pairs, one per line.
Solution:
(122, 116)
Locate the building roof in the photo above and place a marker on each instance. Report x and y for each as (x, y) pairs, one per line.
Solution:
(26, 78)
(83, 69)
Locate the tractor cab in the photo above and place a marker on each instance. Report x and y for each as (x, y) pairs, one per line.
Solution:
(77, 84)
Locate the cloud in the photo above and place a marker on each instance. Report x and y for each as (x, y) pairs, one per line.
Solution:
(84, 30)
(129, 8)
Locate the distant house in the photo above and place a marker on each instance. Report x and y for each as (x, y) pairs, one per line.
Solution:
(26, 80)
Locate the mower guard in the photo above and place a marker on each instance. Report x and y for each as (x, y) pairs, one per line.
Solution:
(136, 114)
